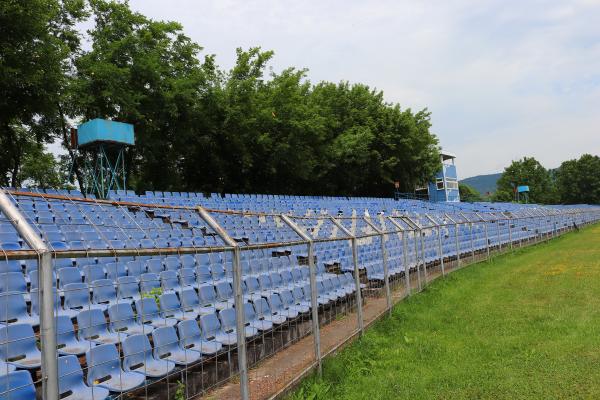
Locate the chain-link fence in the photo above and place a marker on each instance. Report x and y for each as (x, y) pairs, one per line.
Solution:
(145, 300)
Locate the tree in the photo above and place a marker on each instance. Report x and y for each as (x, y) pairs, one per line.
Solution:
(468, 193)
(37, 37)
(528, 172)
(578, 181)
(41, 169)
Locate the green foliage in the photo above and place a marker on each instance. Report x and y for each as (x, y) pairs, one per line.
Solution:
(578, 181)
(468, 194)
(153, 294)
(521, 326)
(180, 392)
(530, 172)
(37, 38)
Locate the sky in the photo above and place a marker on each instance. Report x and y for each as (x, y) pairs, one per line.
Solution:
(502, 79)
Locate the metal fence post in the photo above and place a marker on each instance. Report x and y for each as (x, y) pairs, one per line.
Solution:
(313, 290)
(361, 322)
(238, 298)
(46, 285)
(386, 272)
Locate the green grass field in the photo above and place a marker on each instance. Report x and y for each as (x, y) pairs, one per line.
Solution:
(523, 326)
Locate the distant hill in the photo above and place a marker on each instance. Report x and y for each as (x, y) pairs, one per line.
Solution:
(483, 183)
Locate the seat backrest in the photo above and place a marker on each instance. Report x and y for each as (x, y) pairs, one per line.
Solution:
(287, 298)
(187, 277)
(210, 325)
(189, 299)
(102, 361)
(147, 309)
(172, 263)
(207, 294)
(13, 282)
(121, 316)
(70, 375)
(164, 339)
(76, 295)
(275, 302)
(224, 291)
(149, 281)
(155, 265)
(16, 340)
(65, 331)
(187, 261)
(91, 323)
(127, 287)
(93, 273)
(169, 302)
(189, 332)
(68, 275)
(261, 308)
(17, 385)
(203, 274)
(227, 317)
(115, 270)
(168, 280)
(12, 306)
(103, 290)
(136, 268)
(136, 350)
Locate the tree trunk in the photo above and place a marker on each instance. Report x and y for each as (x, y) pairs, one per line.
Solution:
(66, 142)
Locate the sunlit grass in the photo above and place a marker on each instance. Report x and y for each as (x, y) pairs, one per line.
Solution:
(525, 325)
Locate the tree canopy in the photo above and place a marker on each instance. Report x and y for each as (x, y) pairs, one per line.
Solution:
(198, 127)
(578, 181)
(527, 172)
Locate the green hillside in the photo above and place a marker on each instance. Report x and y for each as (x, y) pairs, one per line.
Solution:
(483, 183)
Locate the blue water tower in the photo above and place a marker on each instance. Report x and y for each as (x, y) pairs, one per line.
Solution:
(102, 145)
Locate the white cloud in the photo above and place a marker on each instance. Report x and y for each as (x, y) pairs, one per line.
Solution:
(502, 79)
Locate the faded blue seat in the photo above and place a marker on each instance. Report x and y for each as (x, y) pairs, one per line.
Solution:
(171, 308)
(13, 310)
(66, 340)
(149, 314)
(122, 320)
(167, 346)
(191, 302)
(17, 385)
(104, 370)
(138, 357)
(191, 338)
(278, 308)
(18, 346)
(92, 326)
(71, 385)
(260, 316)
(228, 326)
(128, 288)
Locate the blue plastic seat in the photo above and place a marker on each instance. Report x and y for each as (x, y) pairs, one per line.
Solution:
(149, 314)
(278, 308)
(155, 266)
(104, 370)
(191, 338)
(17, 385)
(260, 316)
(167, 346)
(93, 272)
(77, 297)
(128, 288)
(172, 263)
(203, 274)
(115, 270)
(208, 298)
(68, 275)
(251, 289)
(13, 310)
(122, 320)
(92, 326)
(148, 282)
(71, 385)
(169, 282)
(66, 340)
(228, 324)
(136, 268)
(171, 308)
(191, 302)
(288, 300)
(18, 346)
(138, 357)
(104, 293)
(13, 282)
(187, 278)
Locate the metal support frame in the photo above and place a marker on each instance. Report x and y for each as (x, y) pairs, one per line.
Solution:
(487, 238)
(103, 172)
(417, 228)
(313, 289)
(386, 272)
(46, 293)
(238, 298)
(359, 310)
